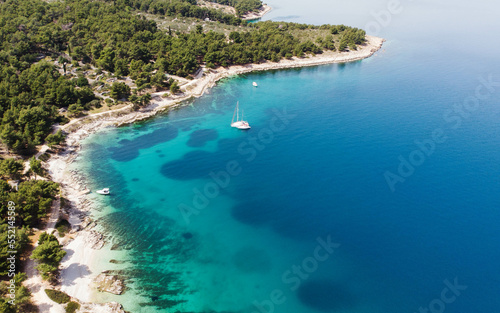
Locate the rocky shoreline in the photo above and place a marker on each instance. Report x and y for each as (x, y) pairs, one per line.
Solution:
(257, 15)
(76, 274)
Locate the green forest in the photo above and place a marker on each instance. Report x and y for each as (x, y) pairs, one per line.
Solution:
(53, 53)
(22, 208)
(241, 6)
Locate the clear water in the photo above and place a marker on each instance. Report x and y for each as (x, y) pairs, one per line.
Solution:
(319, 175)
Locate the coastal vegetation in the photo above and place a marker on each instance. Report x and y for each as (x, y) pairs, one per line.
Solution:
(49, 254)
(241, 6)
(63, 227)
(180, 8)
(33, 199)
(21, 244)
(30, 95)
(11, 168)
(24, 201)
(72, 307)
(55, 139)
(57, 296)
(22, 302)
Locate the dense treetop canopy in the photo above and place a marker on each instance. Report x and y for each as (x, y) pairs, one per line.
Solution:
(241, 6)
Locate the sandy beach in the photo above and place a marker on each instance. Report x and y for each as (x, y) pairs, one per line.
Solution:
(83, 243)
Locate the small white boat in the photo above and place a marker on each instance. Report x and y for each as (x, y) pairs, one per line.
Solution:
(240, 124)
(255, 84)
(104, 191)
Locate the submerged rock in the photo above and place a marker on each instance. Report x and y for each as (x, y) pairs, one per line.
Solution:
(116, 261)
(110, 307)
(87, 222)
(109, 283)
(95, 239)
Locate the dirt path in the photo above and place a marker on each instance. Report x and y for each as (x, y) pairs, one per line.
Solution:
(53, 215)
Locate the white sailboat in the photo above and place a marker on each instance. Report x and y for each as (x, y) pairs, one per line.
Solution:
(255, 84)
(240, 124)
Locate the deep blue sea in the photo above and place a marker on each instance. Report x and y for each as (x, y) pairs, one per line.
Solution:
(371, 186)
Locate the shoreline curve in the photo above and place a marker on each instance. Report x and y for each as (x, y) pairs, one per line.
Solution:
(73, 184)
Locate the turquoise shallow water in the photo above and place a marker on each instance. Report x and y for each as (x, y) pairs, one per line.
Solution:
(312, 170)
